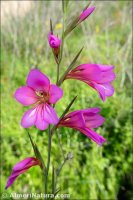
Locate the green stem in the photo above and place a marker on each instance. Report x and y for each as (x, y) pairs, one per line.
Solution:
(59, 141)
(48, 162)
(58, 72)
(59, 171)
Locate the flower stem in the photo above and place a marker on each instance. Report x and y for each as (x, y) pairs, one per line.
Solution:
(58, 72)
(48, 162)
(59, 171)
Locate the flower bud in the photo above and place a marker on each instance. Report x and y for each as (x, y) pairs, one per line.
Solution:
(86, 13)
(54, 43)
(69, 156)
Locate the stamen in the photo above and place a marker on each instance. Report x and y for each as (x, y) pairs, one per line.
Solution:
(40, 93)
(44, 96)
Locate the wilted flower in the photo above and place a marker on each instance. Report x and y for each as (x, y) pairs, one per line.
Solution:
(41, 93)
(86, 13)
(20, 168)
(97, 76)
(84, 121)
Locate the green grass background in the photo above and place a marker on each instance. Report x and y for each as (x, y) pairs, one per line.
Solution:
(94, 173)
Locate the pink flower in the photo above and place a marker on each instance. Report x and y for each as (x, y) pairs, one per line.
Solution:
(84, 121)
(20, 168)
(54, 41)
(86, 13)
(97, 76)
(41, 93)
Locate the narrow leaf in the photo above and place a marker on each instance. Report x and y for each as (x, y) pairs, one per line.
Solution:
(69, 68)
(57, 191)
(63, 6)
(51, 27)
(36, 151)
(87, 6)
(68, 107)
(64, 113)
(33, 145)
(71, 26)
(40, 157)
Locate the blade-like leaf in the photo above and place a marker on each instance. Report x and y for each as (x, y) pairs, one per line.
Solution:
(57, 191)
(33, 145)
(36, 151)
(63, 114)
(71, 26)
(69, 68)
(68, 107)
(51, 27)
(87, 6)
(40, 157)
(64, 5)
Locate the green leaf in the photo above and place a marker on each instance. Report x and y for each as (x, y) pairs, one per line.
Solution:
(33, 145)
(36, 151)
(68, 107)
(64, 5)
(70, 67)
(38, 154)
(71, 26)
(51, 27)
(63, 114)
(57, 191)
(87, 6)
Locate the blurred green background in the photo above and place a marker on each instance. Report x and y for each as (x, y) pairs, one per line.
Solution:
(94, 173)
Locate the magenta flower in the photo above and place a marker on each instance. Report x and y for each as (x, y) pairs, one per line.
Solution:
(40, 93)
(97, 76)
(54, 41)
(86, 13)
(84, 121)
(20, 168)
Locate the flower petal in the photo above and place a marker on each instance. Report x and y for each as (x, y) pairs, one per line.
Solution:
(109, 89)
(54, 41)
(91, 110)
(93, 135)
(105, 68)
(10, 181)
(26, 96)
(73, 120)
(29, 118)
(23, 163)
(40, 122)
(100, 90)
(86, 72)
(55, 93)
(107, 77)
(93, 120)
(20, 168)
(37, 80)
(50, 115)
(86, 13)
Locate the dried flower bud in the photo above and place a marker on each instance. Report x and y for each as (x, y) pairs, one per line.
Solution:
(69, 156)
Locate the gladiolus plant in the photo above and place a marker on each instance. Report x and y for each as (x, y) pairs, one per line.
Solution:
(42, 96)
